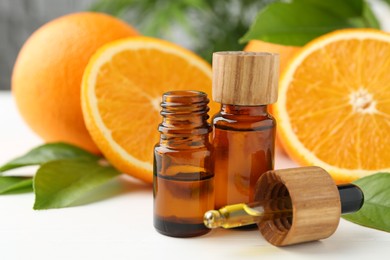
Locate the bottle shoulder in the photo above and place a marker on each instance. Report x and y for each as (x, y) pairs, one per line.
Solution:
(243, 122)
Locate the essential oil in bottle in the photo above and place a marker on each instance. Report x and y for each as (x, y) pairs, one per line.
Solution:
(183, 181)
(243, 135)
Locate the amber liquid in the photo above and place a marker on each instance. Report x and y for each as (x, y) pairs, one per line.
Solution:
(183, 182)
(181, 201)
(243, 149)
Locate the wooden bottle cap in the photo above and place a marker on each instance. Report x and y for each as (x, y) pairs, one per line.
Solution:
(245, 78)
(315, 204)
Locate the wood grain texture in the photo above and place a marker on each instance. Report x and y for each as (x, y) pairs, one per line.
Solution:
(315, 204)
(245, 78)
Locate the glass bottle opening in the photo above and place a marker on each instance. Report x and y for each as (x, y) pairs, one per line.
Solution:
(185, 114)
(184, 97)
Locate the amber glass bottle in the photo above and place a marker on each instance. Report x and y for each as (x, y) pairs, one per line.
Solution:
(243, 130)
(183, 181)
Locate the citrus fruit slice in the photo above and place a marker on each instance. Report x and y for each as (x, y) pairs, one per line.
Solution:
(334, 104)
(121, 94)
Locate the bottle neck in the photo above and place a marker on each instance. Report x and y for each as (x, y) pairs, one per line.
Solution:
(184, 121)
(184, 142)
(260, 110)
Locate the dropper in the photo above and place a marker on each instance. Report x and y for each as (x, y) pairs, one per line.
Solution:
(242, 214)
(292, 206)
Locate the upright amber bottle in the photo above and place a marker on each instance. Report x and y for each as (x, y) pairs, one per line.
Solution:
(183, 181)
(243, 130)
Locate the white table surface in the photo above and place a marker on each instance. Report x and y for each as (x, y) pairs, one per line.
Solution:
(120, 225)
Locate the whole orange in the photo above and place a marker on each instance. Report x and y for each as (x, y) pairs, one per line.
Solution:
(47, 74)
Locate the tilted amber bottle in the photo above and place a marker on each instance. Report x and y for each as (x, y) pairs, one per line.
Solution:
(183, 181)
(243, 135)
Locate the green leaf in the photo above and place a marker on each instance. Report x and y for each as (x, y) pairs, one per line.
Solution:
(46, 153)
(13, 184)
(200, 25)
(114, 7)
(61, 183)
(298, 21)
(370, 17)
(375, 212)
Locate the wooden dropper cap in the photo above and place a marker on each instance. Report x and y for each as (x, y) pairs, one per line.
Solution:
(245, 78)
(315, 201)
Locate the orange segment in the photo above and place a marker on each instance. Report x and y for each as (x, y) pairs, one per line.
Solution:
(121, 95)
(334, 104)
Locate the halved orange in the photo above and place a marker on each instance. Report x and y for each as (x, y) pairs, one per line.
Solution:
(121, 94)
(334, 104)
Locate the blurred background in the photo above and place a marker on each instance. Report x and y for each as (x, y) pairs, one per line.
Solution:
(200, 25)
